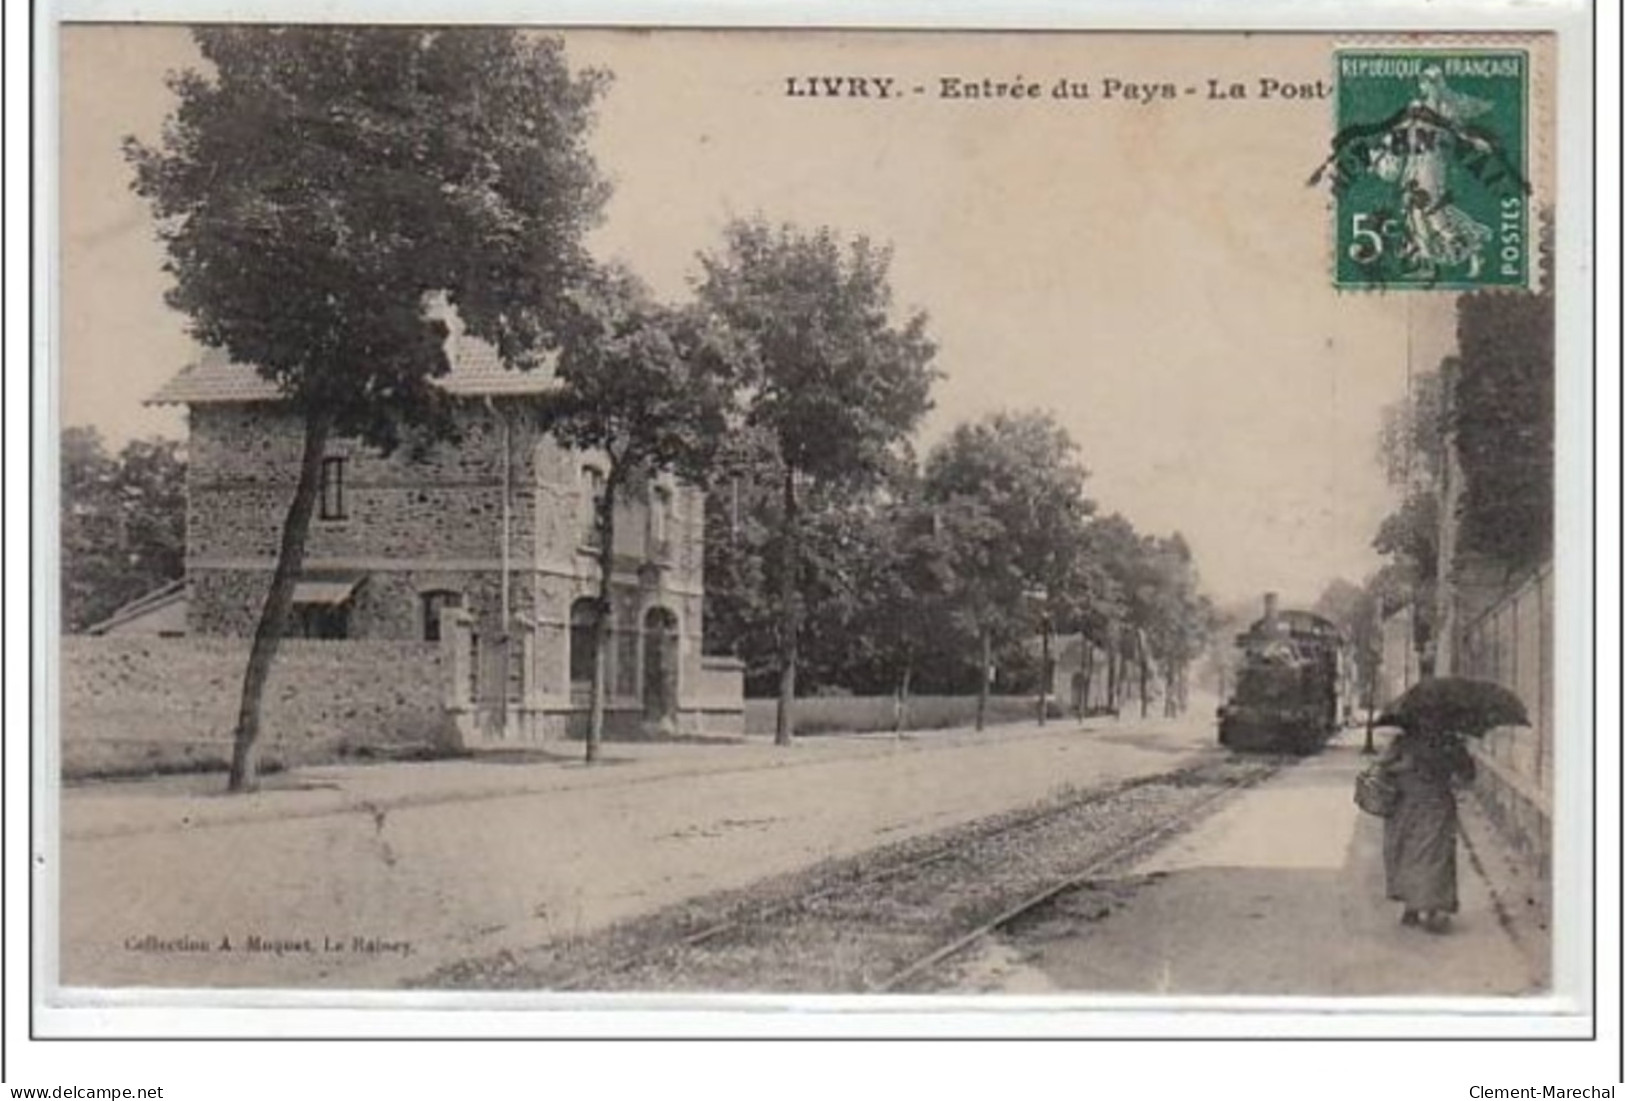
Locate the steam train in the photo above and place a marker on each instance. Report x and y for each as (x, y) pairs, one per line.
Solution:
(1285, 697)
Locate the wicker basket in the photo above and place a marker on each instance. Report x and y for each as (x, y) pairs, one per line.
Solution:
(1375, 792)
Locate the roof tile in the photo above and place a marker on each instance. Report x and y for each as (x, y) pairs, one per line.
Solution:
(476, 371)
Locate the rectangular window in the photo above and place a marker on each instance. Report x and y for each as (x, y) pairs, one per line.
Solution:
(435, 604)
(319, 621)
(332, 489)
(583, 641)
(592, 486)
(660, 524)
(626, 654)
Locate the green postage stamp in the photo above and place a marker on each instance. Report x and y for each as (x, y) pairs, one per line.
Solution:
(1429, 169)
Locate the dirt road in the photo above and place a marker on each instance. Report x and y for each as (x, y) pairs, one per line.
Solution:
(368, 877)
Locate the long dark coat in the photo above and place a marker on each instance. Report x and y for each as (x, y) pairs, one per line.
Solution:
(1419, 838)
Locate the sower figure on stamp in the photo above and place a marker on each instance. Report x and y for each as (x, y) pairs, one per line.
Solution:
(1439, 233)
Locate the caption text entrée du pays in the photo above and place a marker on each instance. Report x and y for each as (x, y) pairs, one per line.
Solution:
(1021, 88)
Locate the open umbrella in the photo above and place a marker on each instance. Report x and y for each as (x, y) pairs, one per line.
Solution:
(1458, 705)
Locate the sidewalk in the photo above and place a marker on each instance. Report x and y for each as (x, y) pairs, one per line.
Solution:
(1281, 893)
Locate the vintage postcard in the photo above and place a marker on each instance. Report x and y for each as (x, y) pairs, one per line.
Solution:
(622, 513)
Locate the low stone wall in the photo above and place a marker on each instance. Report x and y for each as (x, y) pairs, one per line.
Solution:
(138, 704)
(719, 698)
(1519, 812)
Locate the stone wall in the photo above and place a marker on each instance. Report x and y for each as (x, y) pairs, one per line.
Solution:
(1510, 642)
(864, 714)
(718, 700)
(164, 700)
(387, 603)
(444, 501)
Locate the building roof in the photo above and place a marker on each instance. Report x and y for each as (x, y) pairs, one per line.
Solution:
(476, 371)
(170, 593)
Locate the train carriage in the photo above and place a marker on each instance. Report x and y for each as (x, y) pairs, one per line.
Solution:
(1286, 689)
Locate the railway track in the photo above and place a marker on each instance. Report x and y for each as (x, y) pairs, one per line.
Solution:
(1103, 865)
(891, 920)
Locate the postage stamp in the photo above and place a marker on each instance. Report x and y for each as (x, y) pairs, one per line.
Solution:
(1429, 169)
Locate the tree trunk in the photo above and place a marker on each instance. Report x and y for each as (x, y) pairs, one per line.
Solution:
(1113, 661)
(1145, 680)
(986, 678)
(900, 717)
(605, 520)
(789, 614)
(278, 602)
(1087, 673)
(1044, 678)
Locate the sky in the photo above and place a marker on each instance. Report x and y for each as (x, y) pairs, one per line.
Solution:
(1156, 274)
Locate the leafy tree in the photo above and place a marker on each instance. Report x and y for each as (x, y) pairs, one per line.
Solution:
(848, 559)
(645, 388)
(986, 594)
(1100, 616)
(833, 380)
(1390, 588)
(1502, 415)
(1218, 669)
(1120, 550)
(895, 618)
(1356, 610)
(741, 521)
(1180, 618)
(1411, 448)
(320, 185)
(1409, 537)
(1411, 439)
(908, 613)
(1010, 493)
(123, 523)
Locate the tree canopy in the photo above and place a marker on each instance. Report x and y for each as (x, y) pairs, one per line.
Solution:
(833, 382)
(645, 387)
(123, 523)
(1503, 418)
(318, 184)
(318, 189)
(828, 371)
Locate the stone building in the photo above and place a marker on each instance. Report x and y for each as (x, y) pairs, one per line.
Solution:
(490, 537)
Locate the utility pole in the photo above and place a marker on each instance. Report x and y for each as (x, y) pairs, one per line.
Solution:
(1044, 675)
(1372, 666)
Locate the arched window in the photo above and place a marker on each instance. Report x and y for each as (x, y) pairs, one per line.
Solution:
(660, 665)
(583, 619)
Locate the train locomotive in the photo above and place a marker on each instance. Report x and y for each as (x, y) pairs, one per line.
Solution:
(1286, 689)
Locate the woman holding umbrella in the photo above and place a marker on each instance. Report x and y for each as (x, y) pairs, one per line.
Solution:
(1425, 763)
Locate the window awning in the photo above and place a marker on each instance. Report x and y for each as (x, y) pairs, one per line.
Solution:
(330, 593)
